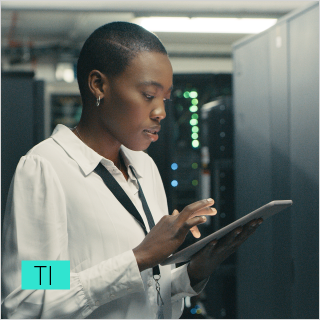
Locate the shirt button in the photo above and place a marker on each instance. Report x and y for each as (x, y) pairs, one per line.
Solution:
(112, 296)
(128, 289)
(98, 303)
(150, 283)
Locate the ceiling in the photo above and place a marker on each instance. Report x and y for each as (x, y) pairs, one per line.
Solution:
(30, 29)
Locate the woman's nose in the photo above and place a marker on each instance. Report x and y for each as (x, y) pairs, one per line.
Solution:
(159, 113)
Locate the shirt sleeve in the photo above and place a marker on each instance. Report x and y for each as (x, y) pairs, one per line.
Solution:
(35, 228)
(180, 285)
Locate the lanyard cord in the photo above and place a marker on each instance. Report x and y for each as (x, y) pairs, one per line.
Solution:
(156, 269)
(123, 198)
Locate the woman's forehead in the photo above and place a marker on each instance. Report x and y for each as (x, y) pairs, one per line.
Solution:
(151, 68)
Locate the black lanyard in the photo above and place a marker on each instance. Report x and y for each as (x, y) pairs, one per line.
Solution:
(123, 198)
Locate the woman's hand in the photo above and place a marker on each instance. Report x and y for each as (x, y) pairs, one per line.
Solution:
(169, 233)
(204, 262)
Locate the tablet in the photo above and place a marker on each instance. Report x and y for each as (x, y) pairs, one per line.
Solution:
(263, 212)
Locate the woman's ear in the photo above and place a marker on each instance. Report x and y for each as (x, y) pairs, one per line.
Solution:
(97, 83)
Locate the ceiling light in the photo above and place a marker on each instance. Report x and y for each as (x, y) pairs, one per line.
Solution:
(65, 71)
(205, 25)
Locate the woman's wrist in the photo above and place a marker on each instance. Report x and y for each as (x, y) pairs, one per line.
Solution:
(142, 260)
(194, 276)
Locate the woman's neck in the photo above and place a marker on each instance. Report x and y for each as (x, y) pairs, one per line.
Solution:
(101, 142)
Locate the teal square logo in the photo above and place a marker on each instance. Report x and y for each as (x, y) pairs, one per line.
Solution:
(45, 274)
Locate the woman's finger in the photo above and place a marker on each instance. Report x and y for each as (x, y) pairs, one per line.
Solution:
(207, 211)
(190, 223)
(195, 232)
(226, 242)
(187, 212)
(175, 212)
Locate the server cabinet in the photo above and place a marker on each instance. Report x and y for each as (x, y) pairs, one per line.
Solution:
(22, 123)
(304, 155)
(253, 175)
(177, 152)
(178, 155)
(217, 181)
(276, 104)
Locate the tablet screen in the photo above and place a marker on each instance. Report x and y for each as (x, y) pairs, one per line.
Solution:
(263, 212)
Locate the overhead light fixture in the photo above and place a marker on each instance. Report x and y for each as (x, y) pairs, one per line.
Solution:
(65, 72)
(205, 25)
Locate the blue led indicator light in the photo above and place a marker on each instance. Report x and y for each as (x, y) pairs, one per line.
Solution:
(193, 311)
(174, 166)
(174, 183)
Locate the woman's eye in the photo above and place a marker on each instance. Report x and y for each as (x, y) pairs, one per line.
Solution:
(148, 96)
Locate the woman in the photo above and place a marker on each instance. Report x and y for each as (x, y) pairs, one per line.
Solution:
(59, 207)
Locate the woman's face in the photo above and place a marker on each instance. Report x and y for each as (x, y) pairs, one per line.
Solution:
(134, 103)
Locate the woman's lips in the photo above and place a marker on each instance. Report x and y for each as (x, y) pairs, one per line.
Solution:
(150, 131)
(151, 134)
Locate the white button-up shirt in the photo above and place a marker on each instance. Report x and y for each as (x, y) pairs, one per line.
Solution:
(58, 208)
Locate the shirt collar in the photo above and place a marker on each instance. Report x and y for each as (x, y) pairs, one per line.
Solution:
(86, 157)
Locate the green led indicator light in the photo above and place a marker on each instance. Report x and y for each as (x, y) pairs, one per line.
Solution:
(186, 94)
(195, 116)
(194, 136)
(193, 94)
(178, 93)
(195, 143)
(194, 165)
(195, 129)
(194, 101)
(193, 108)
(180, 107)
(195, 182)
(193, 122)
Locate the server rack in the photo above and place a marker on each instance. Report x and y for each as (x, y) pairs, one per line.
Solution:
(217, 179)
(276, 104)
(22, 122)
(201, 171)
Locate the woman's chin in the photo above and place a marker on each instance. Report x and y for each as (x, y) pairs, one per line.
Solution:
(137, 147)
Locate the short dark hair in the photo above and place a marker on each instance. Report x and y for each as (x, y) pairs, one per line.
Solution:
(111, 47)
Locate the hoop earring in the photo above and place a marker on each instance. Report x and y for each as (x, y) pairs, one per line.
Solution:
(98, 102)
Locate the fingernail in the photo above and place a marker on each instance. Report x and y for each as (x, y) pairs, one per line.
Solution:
(204, 218)
(209, 200)
(213, 210)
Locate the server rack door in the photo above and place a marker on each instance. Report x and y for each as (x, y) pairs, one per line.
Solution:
(253, 184)
(16, 125)
(304, 153)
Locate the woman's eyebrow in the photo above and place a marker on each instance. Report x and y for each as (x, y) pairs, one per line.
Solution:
(154, 83)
